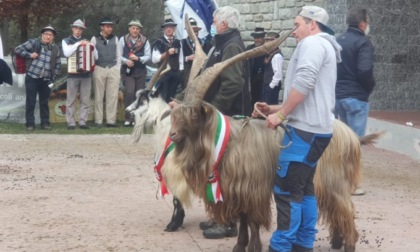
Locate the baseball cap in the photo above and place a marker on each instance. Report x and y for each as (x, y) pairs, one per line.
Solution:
(318, 14)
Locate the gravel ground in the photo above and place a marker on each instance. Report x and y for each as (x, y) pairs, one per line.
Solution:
(98, 193)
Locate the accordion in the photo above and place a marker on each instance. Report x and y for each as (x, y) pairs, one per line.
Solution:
(82, 60)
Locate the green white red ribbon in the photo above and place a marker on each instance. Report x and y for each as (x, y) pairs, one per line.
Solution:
(169, 146)
(213, 192)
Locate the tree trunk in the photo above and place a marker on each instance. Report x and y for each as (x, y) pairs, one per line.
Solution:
(5, 36)
(24, 25)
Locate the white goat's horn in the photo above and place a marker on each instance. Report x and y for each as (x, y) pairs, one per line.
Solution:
(204, 80)
(199, 56)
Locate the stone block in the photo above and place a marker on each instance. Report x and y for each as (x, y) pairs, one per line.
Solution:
(244, 9)
(268, 17)
(266, 7)
(248, 18)
(284, 14)
(258, 18)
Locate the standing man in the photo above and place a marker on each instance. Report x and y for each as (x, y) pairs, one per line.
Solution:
(257, 66)
(77, 82)
(107, 74)
(42, 71)
(135, 54)
(169, 47)
(188, 49)
(355, 81)
(308, 105)
(272, 72)
(230, 91)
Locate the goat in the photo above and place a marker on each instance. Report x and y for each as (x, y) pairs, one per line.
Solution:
(246, 174)
(150, 109)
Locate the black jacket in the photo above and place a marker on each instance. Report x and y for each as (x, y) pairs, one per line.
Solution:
(229, 93)
(355, 72)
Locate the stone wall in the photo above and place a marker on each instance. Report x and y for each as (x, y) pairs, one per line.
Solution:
(394, 33)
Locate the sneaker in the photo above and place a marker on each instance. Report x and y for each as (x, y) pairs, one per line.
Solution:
(30, 128)
(127, 123)
(71, 127)
(98, 125)
(46, 127)
(358, 192)
(84, 126)
(111, 125)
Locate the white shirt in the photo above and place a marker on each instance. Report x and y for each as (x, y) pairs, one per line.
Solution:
(277, 64)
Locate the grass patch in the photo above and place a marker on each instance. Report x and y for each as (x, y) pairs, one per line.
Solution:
(61, 129)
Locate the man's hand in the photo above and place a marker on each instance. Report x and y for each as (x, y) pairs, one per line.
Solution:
(172, 51)
(190, 58)
(130, 63)
(273, 120)
(133, 57)
(34, 55)
(263, 107)
(172, 104)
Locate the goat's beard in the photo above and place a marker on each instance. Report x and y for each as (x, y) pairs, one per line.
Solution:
(189, 126)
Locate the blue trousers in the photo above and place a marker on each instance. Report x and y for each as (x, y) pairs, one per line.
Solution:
(354, 113)
(294, 191)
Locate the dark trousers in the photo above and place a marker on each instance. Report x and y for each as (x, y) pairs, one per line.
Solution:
(133, 82)
(169, 84)
(271, 95)
(257, 80)
(36, 87)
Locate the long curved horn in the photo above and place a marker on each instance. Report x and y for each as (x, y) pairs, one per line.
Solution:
(204, 80)
(162, 69)
(199, 56)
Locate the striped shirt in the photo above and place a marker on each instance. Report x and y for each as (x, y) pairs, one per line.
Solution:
(40, 67)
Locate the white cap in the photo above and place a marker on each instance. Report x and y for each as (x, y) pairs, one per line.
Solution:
(318, 14)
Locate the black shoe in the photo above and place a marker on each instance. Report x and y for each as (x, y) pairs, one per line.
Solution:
(84, 126)
(111, 125)
(207, 224)
(219, 231)
(30, 128)
(98, 125)
(297, 248)
(71, 127)
(46, 127)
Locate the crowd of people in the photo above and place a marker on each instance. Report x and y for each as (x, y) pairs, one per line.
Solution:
(325, 78)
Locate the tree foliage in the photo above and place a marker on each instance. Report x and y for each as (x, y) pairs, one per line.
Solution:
(27, 12)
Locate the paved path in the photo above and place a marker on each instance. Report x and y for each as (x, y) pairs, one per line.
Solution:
(97, 193)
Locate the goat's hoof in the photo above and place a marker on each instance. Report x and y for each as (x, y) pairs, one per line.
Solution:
(238, 248)
(348, 248)
(176, 221)
(337, 242)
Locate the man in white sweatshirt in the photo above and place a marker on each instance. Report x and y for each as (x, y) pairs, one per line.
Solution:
(309, 99)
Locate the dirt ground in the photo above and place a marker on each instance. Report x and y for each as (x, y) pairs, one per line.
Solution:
(98, 193)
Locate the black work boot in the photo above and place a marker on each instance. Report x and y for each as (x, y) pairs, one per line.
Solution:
(297, 248)
(219, 231)
(207, 224)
